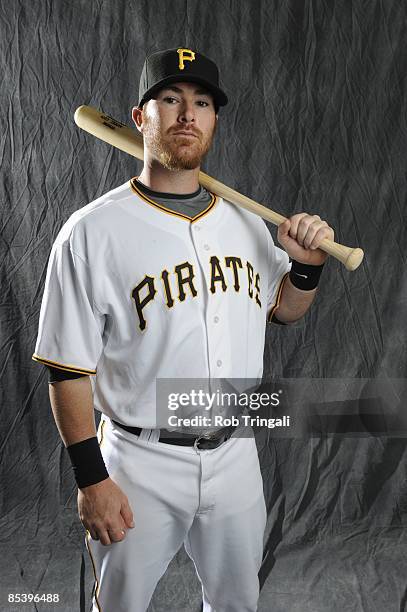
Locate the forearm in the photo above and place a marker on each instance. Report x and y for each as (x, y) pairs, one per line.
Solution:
(72, 407)
(103, 507)
(301, 236)
(294, 302)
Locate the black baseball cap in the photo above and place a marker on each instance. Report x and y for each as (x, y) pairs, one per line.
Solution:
(176, 65)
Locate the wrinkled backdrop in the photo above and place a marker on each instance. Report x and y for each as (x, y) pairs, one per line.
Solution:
(316, 122)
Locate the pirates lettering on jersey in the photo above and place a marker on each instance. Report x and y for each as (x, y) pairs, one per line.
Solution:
(234, 263)
(148, 283)
(167, 289)
(257, 287)
(250, 278)
(216, 274)
(183, 278)
(250, 272)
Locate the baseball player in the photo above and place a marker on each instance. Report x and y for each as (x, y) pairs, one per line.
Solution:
(159, 278)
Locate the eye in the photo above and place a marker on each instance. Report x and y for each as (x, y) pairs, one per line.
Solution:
(203, 103)
(170, 99)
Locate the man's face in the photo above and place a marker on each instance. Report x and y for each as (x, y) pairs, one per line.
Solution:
(178, 125)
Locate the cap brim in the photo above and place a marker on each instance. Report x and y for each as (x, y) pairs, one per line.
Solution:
(220, 97)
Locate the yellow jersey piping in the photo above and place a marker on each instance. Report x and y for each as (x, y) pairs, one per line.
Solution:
(97, 585)
(278, 297)
(67, 367)
(100, 434)
(87, 537)
(143, 196)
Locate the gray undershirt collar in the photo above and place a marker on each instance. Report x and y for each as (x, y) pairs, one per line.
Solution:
(190, 204)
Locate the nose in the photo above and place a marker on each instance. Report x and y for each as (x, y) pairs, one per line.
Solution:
(187, 112)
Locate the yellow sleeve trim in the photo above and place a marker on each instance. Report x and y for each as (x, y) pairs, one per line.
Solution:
(67, 367)
(279, 292)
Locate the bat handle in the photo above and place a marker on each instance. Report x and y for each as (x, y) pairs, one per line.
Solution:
(350, 257)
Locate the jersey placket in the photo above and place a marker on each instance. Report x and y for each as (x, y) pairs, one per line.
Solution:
(215, 309)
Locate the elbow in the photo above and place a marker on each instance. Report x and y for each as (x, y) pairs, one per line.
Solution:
(287, 318)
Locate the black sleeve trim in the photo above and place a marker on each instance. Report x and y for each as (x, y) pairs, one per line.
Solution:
(275, 320)
(56, 375)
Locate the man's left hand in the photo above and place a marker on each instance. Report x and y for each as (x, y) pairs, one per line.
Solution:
(301, 234)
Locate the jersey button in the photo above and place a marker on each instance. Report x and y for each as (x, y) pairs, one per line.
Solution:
(206, 247)
(197, 228)
(216, 319)
(219, 363)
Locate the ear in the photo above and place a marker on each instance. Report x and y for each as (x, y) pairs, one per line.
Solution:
(137, 116)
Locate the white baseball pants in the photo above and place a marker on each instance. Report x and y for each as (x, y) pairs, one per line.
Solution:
(209, 500)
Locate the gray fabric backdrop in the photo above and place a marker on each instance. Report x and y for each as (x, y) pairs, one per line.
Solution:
(316, 122)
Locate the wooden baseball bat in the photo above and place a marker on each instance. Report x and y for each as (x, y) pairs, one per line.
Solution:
(126, 139)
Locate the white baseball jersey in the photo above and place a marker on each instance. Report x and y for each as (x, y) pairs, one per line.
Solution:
(136, 292)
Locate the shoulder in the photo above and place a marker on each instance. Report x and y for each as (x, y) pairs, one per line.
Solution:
(250, 219)
(259, 229)
(95, 216)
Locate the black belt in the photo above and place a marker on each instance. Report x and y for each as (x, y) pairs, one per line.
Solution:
(204, 442)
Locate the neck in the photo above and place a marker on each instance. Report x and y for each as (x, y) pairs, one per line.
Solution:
(158, 178)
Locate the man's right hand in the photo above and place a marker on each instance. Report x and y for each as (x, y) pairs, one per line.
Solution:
(105, 512)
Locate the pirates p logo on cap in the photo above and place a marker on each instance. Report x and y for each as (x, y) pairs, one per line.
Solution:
(185, 55)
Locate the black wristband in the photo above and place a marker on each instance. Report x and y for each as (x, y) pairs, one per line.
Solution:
(304, 276)
(87, 462)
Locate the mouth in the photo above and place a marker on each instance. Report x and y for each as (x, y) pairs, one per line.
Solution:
(187, 134)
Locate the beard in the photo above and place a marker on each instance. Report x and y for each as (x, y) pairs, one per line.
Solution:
(175, 151)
